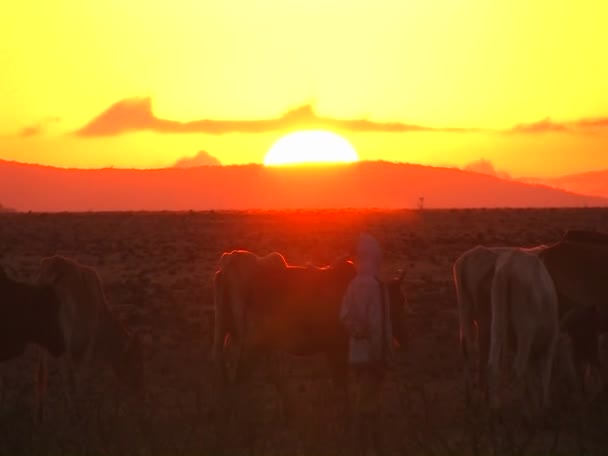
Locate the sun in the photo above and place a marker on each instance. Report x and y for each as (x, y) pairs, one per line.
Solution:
(310, 147)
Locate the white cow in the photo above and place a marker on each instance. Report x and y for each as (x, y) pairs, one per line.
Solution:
(524, 303)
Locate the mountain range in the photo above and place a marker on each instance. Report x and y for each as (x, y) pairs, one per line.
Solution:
(387, 185)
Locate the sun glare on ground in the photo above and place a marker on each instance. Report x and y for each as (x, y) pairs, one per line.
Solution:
(310, 147)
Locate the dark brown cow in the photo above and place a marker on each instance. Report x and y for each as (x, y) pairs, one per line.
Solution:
(578, 264)
(28, 314)
(264, 306)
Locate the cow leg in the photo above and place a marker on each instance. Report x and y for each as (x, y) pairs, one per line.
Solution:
(70, 388)
(603, 364)
(581, 375)
(3, 383)
(493, 374)
(279, 377)
(338, 365)
(484, 355)
(247, 418)
(546, 366)
(238, 336)
(42, 380)
(522, 357)
(7, 381)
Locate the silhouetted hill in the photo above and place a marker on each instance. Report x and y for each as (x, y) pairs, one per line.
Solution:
(359, 185)
(590, 183)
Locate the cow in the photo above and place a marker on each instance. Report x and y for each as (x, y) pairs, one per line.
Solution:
(29, 314)
(578, 264)
(524, 303)
(262, 304)
(473, 272)
(93, 335)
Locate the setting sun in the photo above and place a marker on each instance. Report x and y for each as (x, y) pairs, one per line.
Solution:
(310, 147)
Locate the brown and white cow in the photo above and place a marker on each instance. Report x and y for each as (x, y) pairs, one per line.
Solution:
(93, 335)
(264, 305)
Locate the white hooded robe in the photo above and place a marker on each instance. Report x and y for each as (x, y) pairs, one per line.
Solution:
(365, 311)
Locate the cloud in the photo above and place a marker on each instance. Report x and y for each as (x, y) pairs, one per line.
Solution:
(598, 122)
(484, 166)
(549, 126)
(126, 115)
(36, 129)
(542, 126)
(135, 114)
(201, 159)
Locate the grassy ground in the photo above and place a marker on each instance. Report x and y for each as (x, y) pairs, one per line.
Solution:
(157, 270)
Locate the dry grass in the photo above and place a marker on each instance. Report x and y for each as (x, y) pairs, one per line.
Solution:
(157, 270)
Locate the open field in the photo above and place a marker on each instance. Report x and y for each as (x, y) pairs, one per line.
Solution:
(157, 270)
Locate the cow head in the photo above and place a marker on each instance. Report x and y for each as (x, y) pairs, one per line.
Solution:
(397, 301)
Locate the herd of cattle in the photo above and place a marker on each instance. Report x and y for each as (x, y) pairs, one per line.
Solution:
(538, 304)
(546, 305)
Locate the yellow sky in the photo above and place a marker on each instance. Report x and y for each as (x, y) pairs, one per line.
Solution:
(436, 63)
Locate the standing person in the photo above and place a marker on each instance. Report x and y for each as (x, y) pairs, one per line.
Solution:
(365, 313)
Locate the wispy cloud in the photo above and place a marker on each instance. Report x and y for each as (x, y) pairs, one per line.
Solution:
(549, 126)
(201, 159)
(38, 128)
(32, 130)
(135, 114)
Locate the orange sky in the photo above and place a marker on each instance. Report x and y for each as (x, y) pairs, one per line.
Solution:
(439, 82)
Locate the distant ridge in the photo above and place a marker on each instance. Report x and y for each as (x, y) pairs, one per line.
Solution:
(359, 185)
(6, 209)
(590, 183)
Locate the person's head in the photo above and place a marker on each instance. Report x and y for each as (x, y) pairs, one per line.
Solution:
(369, 255)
